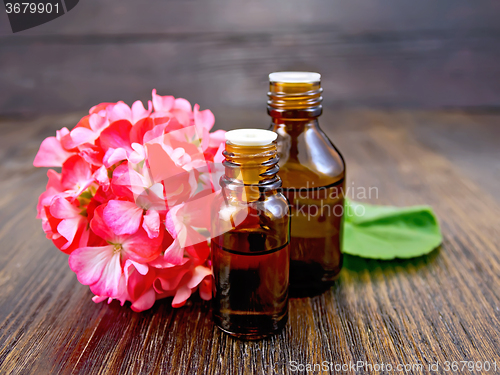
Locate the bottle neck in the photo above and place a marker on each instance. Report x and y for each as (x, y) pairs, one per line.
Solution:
(295, 125)
(294, 100)
(251, 170)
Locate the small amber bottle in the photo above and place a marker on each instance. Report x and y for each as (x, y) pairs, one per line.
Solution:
(312, 171)
(250, 240)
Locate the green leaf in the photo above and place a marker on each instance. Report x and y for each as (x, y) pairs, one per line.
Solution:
(386, 232)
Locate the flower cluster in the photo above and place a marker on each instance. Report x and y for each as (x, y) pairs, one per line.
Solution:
(130, 203)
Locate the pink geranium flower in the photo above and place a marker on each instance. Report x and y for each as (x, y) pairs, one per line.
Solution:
(71, 224)
(130, 204)
(76, 176)
(102, 267)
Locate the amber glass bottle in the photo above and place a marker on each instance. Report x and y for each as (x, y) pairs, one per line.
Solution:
(313, 172)
(250, 240)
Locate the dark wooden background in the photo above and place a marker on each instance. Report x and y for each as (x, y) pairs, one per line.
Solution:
(392, 70)
(375, 53)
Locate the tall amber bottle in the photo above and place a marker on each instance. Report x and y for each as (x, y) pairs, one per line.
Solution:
(313, 175)
(250, 241)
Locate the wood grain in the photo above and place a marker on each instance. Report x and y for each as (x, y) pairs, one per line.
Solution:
(390, 53)
(441, 307)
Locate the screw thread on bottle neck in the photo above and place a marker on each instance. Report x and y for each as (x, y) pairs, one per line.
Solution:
(251, 165)
(291, 98)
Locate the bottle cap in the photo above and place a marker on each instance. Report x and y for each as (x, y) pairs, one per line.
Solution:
(295, 77)
(251, 137)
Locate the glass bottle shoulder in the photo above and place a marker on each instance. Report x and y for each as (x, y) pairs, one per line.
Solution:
(228, 206)
(267, 219)
(307, 156)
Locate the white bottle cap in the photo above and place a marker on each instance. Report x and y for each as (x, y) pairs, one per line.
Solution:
(295, 77)
(251, 137)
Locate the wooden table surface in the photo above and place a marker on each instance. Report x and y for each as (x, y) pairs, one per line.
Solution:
(441, 307)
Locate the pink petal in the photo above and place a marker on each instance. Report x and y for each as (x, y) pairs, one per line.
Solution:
(219, 157)
(120, 183)
(144, 302)
(122, 292)
(151, 223)
(98, 123)
(84, 238)
(162, 103)
(62, 133)
(138, 283)
(99, 299)
(116, 135)
(200, 251)
(120, 111)
(89, 262)
(140, 128)
(187, 237)
(91, 154)
(160, 263)
(169, 279)
(174, 253)
(217, 138)
(101, 176)
(140, 247)
(122, 217)
(182, 116)
(54, 180)
(183, 105)
(199, 273)
(153, 198)
(203, 119)
(51, 154)
(79, 136)
(181, 296)
(140, 267)
(172, 222)
(101, 107)
(68, 229)
(197, 211)
(61, 208)
(139, 112)
(109, 282)
(99, 226)
(53, 188)
(114, 156)
(76, 174)
(76, 240)
(154, 134)
(161, 164)
(205, 289)
(138, 155)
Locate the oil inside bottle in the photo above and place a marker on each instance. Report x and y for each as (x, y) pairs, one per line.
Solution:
(316, 256)
(252, 285)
